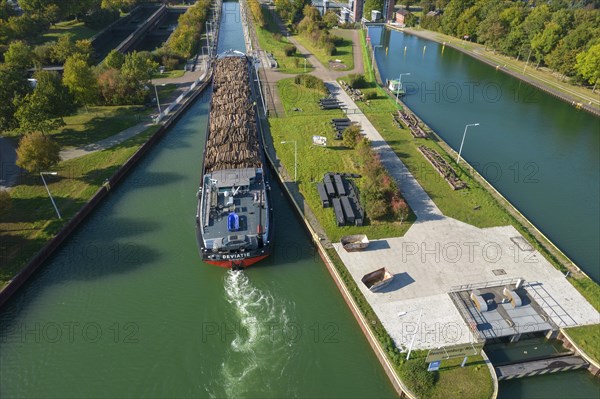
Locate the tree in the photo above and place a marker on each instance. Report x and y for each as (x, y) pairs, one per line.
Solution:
(37, 152)
(588, 64)
(371, 5)
(19, 55)
(81, 81)
(13, 84)
(330, 19)
(139, 66)
(43, 109)
(5, 203)
(114, 59)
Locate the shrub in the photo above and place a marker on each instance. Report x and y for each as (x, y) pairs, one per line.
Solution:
(289, 50)
(356, 81)
(277, 36)
(5, 203)
(169, 63)
(311, 82)
(329, 49)
(351, 135)
(418, 378)
(370, 95)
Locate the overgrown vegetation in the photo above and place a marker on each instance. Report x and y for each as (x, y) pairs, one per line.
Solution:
(587, 337)
(270, 39)
(183, 42)
(311, 82)
(561, 35)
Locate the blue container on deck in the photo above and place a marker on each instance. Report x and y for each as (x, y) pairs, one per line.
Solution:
(233, 222)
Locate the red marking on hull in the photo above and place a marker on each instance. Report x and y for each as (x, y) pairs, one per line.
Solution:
(242, 263)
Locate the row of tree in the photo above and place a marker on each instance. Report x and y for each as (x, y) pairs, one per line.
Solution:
(559, 34)
(38, 15)
(183, 42)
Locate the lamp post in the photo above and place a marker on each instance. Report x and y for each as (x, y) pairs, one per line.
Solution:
(48, 190)
(400, 84)
(463, 140)
(295, 158)
(412, 341)
(208, 26)
(157, 100)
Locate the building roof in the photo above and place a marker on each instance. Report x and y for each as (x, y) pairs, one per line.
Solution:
(402, 11)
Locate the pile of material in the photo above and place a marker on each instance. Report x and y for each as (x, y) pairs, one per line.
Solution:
(232, 136)
(338, 191)
(411, 122)
(443, 167)
(355, 94)
(330, 103)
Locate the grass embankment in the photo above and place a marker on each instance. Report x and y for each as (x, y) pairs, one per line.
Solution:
(77, 28)
(314, 161)
(343, 52)
(271, 40)
(32, 220)
(544, 76)
(97, 124)
(461, 204)
(587, 338)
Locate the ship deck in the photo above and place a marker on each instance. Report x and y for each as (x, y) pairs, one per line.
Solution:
(245, 203)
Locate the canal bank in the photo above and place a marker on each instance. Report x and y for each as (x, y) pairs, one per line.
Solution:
(171, 326)
(511, 387)
(576, 100)
(524, 157)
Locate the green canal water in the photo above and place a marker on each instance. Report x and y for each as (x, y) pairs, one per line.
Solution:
(538, 151)
(126, 309)
(541, 153)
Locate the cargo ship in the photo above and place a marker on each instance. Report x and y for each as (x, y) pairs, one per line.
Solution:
(234, 215)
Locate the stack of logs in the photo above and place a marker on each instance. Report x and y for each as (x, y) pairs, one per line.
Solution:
(443, 167)
(232, 135)
(411, 122)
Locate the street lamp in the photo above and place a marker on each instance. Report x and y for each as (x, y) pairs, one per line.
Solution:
(412, 341)
(463, 140)
(47, 189)
(400, 84)
(157, 100)
(295, 158)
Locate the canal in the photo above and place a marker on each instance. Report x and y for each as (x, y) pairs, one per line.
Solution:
(541, 153)
(126, 308)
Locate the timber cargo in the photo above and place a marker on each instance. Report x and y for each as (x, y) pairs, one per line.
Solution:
(233, 217)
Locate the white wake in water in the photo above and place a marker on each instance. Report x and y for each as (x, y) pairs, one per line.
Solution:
(261, 343)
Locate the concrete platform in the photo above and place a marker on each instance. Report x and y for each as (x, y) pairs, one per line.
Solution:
(540, 367)
(437, 255)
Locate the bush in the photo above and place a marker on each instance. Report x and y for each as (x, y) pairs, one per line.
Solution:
(311, 82)
(357, 81)
(418, 379)
(5, 203)
(351, 135)
(169, 62)
(370, 95)
(277, 36)
(289, 50)
(329, 49)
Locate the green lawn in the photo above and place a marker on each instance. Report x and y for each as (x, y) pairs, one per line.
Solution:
(470, 382)
(32, 220)
(175, 73)
(78, 29)
(314, 161)
(343, 53)
(270, 40)
(588, 339)
(97, 124)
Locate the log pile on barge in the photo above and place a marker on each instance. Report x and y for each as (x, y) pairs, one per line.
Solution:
(233, 140)
(233, 216)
